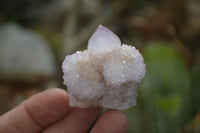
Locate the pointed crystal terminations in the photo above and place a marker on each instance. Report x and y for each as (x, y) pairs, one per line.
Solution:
(106, 75)
(103, 40)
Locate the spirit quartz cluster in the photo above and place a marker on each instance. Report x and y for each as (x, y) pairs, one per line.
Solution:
(105, 75)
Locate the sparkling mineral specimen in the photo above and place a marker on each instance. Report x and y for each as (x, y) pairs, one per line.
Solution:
(106, 75)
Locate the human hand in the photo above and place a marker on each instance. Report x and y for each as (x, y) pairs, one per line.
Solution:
(49, 112)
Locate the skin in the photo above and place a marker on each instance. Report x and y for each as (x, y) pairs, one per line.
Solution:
(49, 112)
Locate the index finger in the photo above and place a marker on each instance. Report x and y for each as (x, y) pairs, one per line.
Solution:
(36, 113)
(111, 121)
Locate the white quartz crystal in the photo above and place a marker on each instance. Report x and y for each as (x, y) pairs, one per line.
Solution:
(106, 75)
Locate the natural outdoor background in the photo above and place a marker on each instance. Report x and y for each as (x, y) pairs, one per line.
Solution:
(36, 35)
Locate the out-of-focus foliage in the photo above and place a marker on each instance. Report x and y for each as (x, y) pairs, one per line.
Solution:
(194, 126)
(196, 87)
(164, 97)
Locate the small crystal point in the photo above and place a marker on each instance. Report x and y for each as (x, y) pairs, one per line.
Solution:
(103, 40)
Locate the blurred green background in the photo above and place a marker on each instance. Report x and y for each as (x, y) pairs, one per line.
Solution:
(36, 35)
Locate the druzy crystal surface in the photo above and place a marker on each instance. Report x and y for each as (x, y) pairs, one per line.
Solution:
(105, 75)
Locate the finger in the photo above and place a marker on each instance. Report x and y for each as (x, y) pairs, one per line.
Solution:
(36, 113)
(77, 121)
(111, 121)
(48, 106)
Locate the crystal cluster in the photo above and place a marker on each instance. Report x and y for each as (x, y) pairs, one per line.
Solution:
(106, 75)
